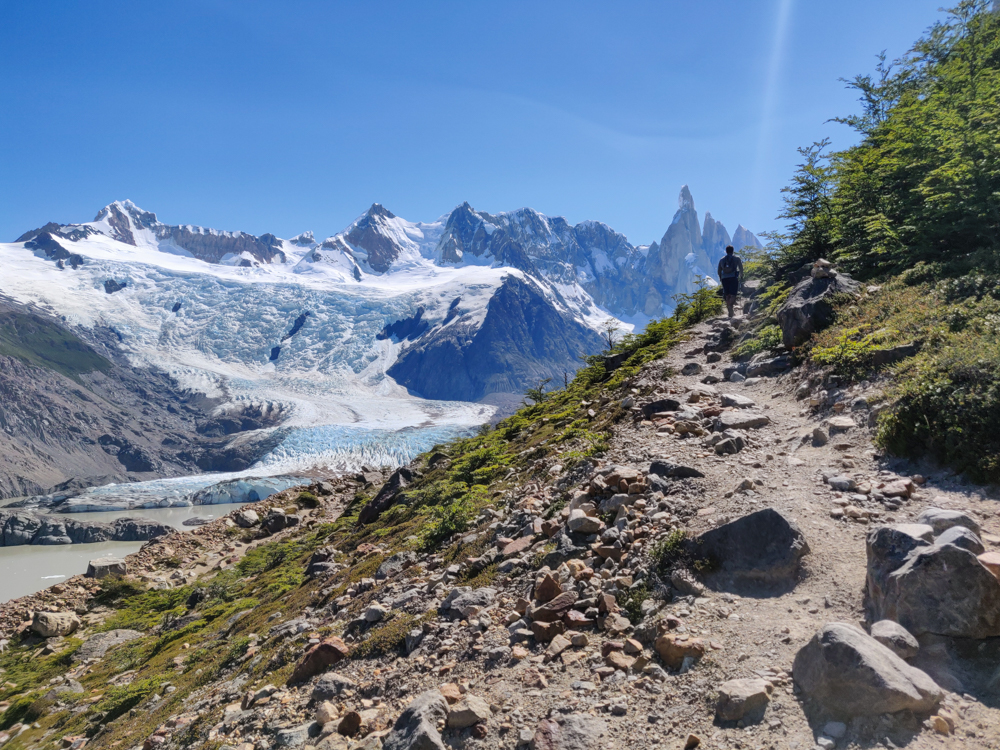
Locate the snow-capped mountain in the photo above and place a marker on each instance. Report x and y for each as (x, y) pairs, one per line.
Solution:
(386, 325)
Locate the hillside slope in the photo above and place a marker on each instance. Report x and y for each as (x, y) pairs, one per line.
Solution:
(510, 583)
(76, 413)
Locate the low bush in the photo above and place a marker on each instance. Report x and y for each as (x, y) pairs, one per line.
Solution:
(762, 340)
(119, 700)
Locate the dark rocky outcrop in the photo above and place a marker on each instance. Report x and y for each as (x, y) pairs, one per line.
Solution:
(407, 329)
(522, 340)
(390, 492)
(21, 527)
(809, 308)
(111, 286)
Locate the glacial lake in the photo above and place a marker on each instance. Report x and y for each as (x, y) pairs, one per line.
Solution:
(30, 568)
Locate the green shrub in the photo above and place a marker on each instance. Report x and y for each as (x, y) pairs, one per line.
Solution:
(631, 602)
(482, 465)
(765, 339)
(116, 588)
(307, 500)
(946, 404)
(237, 649)
(852, 354)
(447, 520)
(119, 700)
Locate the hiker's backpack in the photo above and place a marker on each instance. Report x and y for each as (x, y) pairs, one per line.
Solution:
(729, 264)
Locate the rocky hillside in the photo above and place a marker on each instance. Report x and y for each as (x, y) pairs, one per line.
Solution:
(678, 550)
(76, 413)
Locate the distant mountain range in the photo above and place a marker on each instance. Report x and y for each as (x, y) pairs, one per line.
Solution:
(388, 324)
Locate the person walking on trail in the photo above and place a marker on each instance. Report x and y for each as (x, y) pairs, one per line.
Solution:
(730, 274)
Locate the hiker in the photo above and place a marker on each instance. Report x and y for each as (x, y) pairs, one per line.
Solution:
(730, 274)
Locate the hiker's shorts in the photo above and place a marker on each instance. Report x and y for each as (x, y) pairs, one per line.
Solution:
(731, 286)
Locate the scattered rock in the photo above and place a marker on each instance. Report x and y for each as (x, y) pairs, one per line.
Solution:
(467, 712)
(330, 686)
(744, 699)
(667, 469)
(398, 562)
(97, 645)
(350, 725)
(463, 601)
(571, 732)
(851, 674)
(416, 728)
(840, 424)
(741, 420)
(581, 523)
(740, 402)
(674, 648)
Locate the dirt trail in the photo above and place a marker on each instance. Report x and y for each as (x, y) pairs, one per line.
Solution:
(762, 635)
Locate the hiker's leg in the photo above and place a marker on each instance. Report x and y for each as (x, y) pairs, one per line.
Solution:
(730, 301)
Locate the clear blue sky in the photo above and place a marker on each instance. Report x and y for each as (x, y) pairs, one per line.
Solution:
(286, 116)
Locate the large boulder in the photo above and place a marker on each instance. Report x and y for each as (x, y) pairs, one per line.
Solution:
(103, 567)
(887, 548)
(851, 674)
(246, 518)
(809, 307)
(390, 492)
(942, 589)
(760, 549)
(99, 644)
(52, 624)
(416, 728)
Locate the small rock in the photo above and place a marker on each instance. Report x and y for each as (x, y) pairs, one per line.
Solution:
(896, 638)
(350, 724)
(744, 699)
(375, 613)
(326, 712)
(835, 729)
(467, 712)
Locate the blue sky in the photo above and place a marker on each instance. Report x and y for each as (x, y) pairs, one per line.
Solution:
(286, 116)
